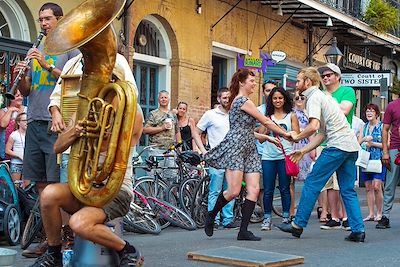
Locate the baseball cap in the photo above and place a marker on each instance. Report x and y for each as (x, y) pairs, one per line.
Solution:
(330, 66)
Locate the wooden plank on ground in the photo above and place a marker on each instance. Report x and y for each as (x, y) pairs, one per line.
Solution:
(237, 256)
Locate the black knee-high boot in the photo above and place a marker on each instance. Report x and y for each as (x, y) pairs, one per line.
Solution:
(247, 211)
(210, 216)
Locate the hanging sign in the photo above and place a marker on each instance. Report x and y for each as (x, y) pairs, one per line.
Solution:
(255, 63)
(364, 79)
(278, 56)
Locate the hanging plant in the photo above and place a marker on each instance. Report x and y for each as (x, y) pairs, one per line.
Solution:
(396, 86)
(382, 16)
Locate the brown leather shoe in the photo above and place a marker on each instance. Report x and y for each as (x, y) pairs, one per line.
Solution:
(37, 251)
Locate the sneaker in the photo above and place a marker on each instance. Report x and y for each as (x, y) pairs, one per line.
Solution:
(131, 259)
(266, 225)
(248, 236)
(331, 224)
(345, 225)
(37, 251)
(356, 237)
(286, 220)
(47, 260)
(383, 223)
(232, 225)
(289, 228)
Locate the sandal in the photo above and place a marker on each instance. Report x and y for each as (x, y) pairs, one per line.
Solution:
(369, 219)
(323, 220)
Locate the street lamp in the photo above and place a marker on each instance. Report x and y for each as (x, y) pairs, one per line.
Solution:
(333, 55)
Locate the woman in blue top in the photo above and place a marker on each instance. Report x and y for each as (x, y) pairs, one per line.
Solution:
(279, 109)
(371, 140)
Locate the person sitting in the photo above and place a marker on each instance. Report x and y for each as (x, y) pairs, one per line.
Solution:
(86, 221)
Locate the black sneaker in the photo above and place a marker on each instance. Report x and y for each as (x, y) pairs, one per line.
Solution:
(383, 223)
(356, 237)
(345, 225)
(289, 228)
(248, 236)
(131, 259)
(232, 225)
(48, 260)
(331, 224)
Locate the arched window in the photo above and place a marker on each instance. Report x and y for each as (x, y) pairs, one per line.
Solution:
(151, 62)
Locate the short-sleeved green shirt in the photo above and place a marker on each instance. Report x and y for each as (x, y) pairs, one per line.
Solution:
(346, 93)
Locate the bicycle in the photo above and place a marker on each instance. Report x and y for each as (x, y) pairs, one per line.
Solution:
(162, 211)
(33, 227)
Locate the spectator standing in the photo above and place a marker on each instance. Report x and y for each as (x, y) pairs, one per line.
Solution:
(15, 148)
(339, 155)
(391, 122)
(279, 109)
(371, 140)
(40, 161)
(7, 120)
(186, 126)
(237, 153)
(216, 123)
(267, 87)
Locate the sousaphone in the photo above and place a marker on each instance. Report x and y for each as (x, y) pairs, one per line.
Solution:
(88, 28)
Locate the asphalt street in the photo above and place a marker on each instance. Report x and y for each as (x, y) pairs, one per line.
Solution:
(318, 247)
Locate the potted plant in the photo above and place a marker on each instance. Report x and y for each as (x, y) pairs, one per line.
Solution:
(382, 16)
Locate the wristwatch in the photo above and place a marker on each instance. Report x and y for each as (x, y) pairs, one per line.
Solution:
(51, 68)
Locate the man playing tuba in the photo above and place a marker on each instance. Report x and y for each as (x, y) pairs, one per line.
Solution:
(86, 221)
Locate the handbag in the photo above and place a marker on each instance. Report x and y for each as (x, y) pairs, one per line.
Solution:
(397, 159)
(363, 158)
(292, 169)
(374, 165)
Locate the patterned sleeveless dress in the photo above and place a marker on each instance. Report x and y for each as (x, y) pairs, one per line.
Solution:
(238, 149)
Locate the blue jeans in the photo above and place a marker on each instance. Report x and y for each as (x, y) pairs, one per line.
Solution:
(270, 169)
(392, 179)
(64, 168)
(217, 184)
(331, 160)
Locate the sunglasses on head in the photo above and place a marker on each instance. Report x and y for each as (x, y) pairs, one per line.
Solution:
(327, 75)
(271, 81)
(299, 97)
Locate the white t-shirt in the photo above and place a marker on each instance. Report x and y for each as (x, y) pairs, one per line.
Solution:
(216, 122)
(333, 123)
(18, 147)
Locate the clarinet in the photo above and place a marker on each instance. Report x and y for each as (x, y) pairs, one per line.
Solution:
(11, 93)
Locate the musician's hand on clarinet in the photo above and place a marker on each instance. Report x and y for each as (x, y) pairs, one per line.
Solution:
(34, 53)
(22, 65)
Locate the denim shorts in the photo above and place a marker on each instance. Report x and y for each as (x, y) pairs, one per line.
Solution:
(16, 167)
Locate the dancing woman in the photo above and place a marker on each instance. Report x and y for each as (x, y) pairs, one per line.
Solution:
(237, 153)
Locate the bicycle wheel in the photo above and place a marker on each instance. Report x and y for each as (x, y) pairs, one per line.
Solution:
(136, 220)
(148, 187)
(172, 214)
(172, 195)
(33, 226)
(186, 193)
(258, 214)
(199, 207)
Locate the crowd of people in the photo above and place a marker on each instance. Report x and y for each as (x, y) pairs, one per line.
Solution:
(315, 126)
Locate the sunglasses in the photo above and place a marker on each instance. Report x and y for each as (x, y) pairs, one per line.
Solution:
(300, 97)
(327, 75)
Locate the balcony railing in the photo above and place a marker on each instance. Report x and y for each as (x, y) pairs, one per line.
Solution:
(357, 8)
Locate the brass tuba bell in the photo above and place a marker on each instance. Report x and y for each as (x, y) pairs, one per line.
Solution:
(88, 28)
